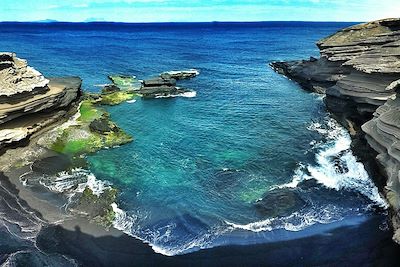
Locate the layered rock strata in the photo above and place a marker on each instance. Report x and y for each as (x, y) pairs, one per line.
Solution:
(165, 84)
(28, 101)
(359, 71)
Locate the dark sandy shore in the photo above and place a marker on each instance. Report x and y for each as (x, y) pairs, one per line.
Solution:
(92, 245)
(349, 246)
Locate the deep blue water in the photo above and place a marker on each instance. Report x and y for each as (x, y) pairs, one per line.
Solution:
(197, 165)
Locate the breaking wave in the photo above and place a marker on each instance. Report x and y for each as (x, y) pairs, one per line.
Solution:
(336, 166)
(295, 222)
(188, 94)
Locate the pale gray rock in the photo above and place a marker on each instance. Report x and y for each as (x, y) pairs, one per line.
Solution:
(28, 101)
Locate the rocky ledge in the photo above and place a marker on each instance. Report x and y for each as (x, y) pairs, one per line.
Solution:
(165, 84)
(47, 126)
(29, 102)
(359, 72)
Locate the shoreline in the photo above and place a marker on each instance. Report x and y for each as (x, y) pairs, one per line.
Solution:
(92, 245)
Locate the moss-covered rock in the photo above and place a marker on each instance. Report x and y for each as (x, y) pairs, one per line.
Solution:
(98, 207)
(110, 88)
(88, 110)
(69, 143)
(89, 132)
(116, 98)
(93, 131)
(123, 81)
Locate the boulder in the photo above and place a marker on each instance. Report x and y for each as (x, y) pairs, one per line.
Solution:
(110, 88)
(52, 165)
(103, 125)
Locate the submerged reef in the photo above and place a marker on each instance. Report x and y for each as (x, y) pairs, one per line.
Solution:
(359, 73)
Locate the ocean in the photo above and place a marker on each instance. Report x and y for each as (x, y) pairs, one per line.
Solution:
(202, 171)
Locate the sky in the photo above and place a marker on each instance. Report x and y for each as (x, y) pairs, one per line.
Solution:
(197, 10)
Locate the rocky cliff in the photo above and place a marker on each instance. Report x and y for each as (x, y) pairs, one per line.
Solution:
(359, 72)
(28, 101)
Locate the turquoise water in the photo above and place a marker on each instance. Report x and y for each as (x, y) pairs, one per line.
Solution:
(197, 165)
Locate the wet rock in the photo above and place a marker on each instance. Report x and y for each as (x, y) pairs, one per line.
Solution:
(279, 202)
(180, 74)
(103, 125)
(98, 207)
(340, 165)
(165, 84)
(157, 87)
(157, 82)
(52, 165)
(110, 88)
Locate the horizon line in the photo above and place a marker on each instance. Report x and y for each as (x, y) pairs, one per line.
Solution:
(50, 21)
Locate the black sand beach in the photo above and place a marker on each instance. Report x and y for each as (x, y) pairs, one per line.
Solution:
(91, 245)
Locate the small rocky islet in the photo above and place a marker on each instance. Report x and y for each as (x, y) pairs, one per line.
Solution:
(54, 124)
(359, 75)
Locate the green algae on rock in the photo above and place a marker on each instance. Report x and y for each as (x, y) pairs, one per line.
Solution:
(117, 97)
(83, 137)
(98, 207)
(124, 82)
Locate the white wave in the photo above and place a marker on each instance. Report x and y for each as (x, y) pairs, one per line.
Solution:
(298, 177)
(330, 129)
(295, 222)
(122, 221)
(97, 186)
(161, 243)
(188, 94)
(325, 172)
(131, 101)
(74, 181)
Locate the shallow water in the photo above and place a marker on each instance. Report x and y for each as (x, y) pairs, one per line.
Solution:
(198, 164)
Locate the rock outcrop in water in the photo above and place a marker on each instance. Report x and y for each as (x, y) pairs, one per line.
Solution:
(165, 84)
(359, 71)
(28, 101)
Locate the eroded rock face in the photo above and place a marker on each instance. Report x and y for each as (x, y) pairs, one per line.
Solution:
(357, 68)
(359, 71)
(28, 101)
(17, 78)
(383, 135)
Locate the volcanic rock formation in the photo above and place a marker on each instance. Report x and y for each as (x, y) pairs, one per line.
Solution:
(359, 71)
(28, 101)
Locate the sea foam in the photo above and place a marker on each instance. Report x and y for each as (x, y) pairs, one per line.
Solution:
(325, 171)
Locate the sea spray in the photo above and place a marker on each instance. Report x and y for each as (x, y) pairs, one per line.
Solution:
(338, 147)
